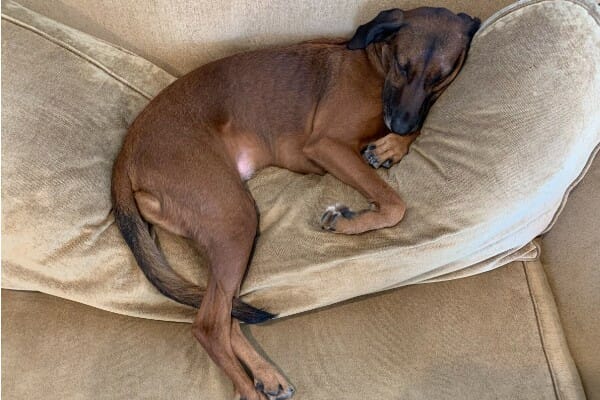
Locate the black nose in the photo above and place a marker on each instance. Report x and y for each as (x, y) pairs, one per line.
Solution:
(404, 123)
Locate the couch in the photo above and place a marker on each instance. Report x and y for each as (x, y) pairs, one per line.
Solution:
(526, 330)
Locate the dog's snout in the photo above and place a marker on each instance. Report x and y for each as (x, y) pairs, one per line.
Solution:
(406, 116)
(400, 127)
(404, 122)
(402, 109)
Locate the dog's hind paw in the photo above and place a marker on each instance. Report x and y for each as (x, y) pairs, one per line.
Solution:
(284, 394)
(331, 215)
(279, 394)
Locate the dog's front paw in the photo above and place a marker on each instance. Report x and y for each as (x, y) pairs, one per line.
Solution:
(332, 214)
(371, 158)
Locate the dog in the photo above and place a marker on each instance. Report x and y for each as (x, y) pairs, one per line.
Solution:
(311, 108)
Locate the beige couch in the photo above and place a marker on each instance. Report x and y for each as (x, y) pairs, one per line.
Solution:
(528, 330)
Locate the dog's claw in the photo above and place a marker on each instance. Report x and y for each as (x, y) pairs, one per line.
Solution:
(281, 394)
(259, 386)
(328, 219)
(387, 163)
(370, 157)
(285, 394)
(332, 213)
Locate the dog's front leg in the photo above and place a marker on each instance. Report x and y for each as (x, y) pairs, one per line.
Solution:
(345, 163)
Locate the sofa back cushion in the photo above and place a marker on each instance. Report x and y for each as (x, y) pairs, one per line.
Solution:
(179, 35)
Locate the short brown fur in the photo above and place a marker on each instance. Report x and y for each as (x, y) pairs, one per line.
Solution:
(310, 108)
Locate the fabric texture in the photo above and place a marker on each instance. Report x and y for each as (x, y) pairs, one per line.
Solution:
(491, 336)
(180, 35)
(497, 153)
(571, 258)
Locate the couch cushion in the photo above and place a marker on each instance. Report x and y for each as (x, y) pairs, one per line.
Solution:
(490, 336)
(180, 35)
(489, 172)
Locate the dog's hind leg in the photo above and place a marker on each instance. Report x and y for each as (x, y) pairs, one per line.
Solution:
(228, 245)
(266, 378)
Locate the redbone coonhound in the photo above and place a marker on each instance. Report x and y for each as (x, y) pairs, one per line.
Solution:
(311, 108)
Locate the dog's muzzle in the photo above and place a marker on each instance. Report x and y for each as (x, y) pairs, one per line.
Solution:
(402, 123)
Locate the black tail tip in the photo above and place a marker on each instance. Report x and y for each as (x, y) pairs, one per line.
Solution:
(250, 315)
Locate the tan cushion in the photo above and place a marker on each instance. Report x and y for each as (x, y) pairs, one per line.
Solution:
(180, 35)
(490, 336)
(497, 154)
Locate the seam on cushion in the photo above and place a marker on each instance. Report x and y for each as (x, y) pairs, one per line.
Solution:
(572, 186)
(541, 333)
(592, 12)
(77, 53)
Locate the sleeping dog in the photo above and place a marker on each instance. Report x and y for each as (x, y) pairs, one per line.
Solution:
(311, 108)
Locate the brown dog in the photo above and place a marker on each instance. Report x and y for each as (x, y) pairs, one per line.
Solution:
(310, 108)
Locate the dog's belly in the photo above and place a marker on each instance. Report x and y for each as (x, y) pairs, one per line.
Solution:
(248, 152)
(289, 155)
(245, 164)
(251, 152)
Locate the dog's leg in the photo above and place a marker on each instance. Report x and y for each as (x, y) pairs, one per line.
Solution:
(228, 246)
(386, 206)
(266, 378)
(220, 217)
(213, 323)
(197, 194)
(212, 328)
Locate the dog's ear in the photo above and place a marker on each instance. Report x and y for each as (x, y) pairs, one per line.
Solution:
(446, 81)
(473, 24)
(383, 25)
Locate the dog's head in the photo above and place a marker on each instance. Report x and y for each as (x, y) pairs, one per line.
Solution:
(421, 51)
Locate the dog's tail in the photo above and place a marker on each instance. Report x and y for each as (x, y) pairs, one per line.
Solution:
(150, 258)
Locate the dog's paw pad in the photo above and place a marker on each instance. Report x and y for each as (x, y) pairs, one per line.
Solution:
(332, 213)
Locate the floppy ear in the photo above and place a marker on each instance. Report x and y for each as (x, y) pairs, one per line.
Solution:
(446, 81)
(384, 24)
